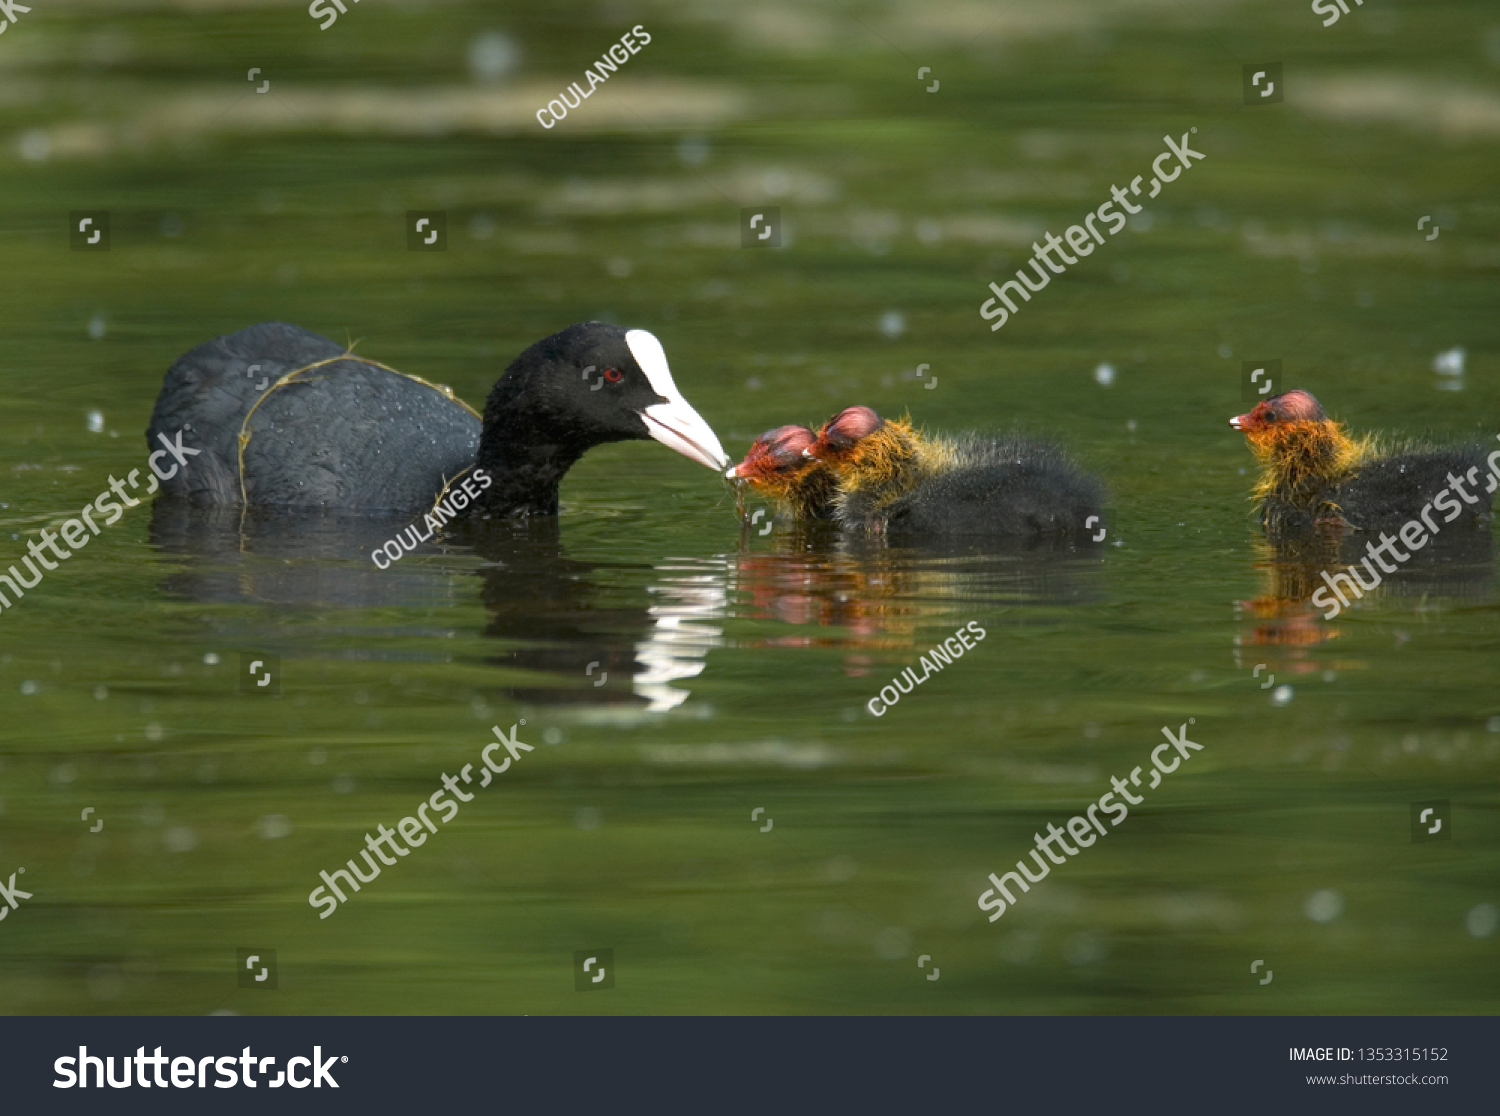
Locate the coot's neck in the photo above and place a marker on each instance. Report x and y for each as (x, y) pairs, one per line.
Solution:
(525, 463)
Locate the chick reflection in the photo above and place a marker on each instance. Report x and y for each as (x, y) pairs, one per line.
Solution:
(1295, 570)
(876, 597)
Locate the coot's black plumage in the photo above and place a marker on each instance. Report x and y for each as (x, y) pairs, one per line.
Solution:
(284, 416)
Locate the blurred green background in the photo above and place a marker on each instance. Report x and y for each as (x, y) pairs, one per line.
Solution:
(740, 664)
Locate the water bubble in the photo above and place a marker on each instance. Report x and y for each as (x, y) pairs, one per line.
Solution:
(1483, 920)
(343, 783)
(317, 756)
(1019, 947)
(892, 324)
(1086, 948)
(493, 55)
(893, 943)
(1450, 363)
(587, 817)
(1324, 906)
(273, 826)
(105, 982)
(1226, 350)
(180, 839)
(1104, 375)
(840, 869)
(35, 146)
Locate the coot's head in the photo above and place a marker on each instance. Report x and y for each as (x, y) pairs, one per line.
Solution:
(1279, 412)
(592, 383)
(841, 433)
(776, 453)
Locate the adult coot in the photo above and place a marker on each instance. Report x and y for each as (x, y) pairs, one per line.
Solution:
(892, 479)
(283, 416)
(1313, 474)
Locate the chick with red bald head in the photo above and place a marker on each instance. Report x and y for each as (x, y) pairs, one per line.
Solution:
(1315, 476)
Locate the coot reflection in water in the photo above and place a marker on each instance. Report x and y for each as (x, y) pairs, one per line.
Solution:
(546, 607)
(568, 630)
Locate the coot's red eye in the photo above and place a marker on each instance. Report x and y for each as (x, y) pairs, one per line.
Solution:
(613, 375)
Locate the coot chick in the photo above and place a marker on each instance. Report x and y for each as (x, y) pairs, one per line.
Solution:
(1314, 475)
(776, 468)
(283, 416)
(893, 479)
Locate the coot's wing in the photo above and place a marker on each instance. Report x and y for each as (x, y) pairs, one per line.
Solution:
(340, 433)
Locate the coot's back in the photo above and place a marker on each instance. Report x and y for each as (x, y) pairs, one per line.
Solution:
(341, 433)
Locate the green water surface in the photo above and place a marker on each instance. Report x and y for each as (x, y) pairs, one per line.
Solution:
(739, 664)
